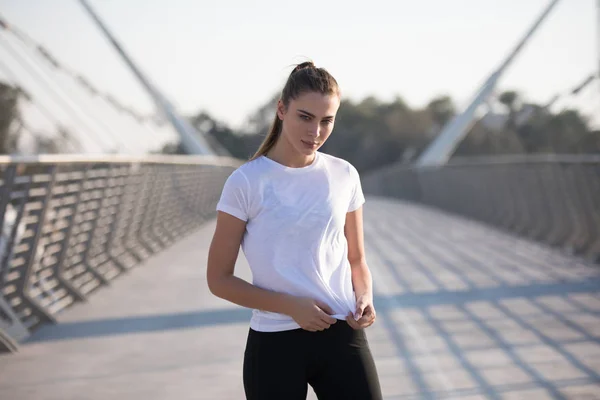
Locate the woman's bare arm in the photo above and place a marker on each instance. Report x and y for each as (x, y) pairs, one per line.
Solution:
(362, 281)
(361, 275)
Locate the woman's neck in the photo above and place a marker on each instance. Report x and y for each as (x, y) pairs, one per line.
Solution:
(285, 154)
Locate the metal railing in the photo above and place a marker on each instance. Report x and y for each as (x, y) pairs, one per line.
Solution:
(552, 199)
(69, 225)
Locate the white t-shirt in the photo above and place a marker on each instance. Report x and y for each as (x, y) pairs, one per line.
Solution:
(294, 240)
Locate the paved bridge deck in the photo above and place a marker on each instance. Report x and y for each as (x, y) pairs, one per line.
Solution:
(464, 312)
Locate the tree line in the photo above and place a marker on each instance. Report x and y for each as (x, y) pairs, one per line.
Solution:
(370, 133)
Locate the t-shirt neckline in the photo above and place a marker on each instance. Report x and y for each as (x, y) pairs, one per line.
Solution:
(294, 169)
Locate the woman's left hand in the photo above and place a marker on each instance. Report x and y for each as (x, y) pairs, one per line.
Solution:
(365, 313)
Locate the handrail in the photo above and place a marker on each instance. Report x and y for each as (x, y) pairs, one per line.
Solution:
(553, 199)
(494, 160)
(119, 158)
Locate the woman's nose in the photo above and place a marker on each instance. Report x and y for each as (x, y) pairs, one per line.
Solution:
(314, 131)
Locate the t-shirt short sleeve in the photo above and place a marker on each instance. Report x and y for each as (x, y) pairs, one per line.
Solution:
(357, 199)
(234, 197)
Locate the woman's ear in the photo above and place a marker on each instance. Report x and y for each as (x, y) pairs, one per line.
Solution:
(280, 109)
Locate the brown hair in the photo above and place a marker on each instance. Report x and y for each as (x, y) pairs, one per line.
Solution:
(304, 78)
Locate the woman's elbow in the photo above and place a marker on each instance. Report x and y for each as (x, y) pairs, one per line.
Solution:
(213, 283)
(216, 282)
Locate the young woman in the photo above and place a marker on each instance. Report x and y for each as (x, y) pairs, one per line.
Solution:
(297, 213)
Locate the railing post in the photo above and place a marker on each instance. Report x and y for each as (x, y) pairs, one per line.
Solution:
(134, 231)
(94, 222)
(14, 330)
(113, 183)
(130, 204)
(24, 281)
(148, 226)
(126, 257)
(7, 344)
(5, 247)
(13, 327)
(60, 263)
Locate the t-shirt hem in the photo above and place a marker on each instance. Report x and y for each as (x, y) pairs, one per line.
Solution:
(283, 325)
(262, 327)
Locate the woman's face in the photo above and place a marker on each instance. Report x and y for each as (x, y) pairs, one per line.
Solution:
(308, 120)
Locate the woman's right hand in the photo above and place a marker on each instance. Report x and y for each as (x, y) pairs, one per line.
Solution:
(312, 315)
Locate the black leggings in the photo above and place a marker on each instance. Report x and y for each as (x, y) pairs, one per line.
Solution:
(336, 362)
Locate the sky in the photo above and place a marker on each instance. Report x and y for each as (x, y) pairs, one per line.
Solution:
(228, 57)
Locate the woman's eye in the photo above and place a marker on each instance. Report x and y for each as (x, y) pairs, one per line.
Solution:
(305, 117)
